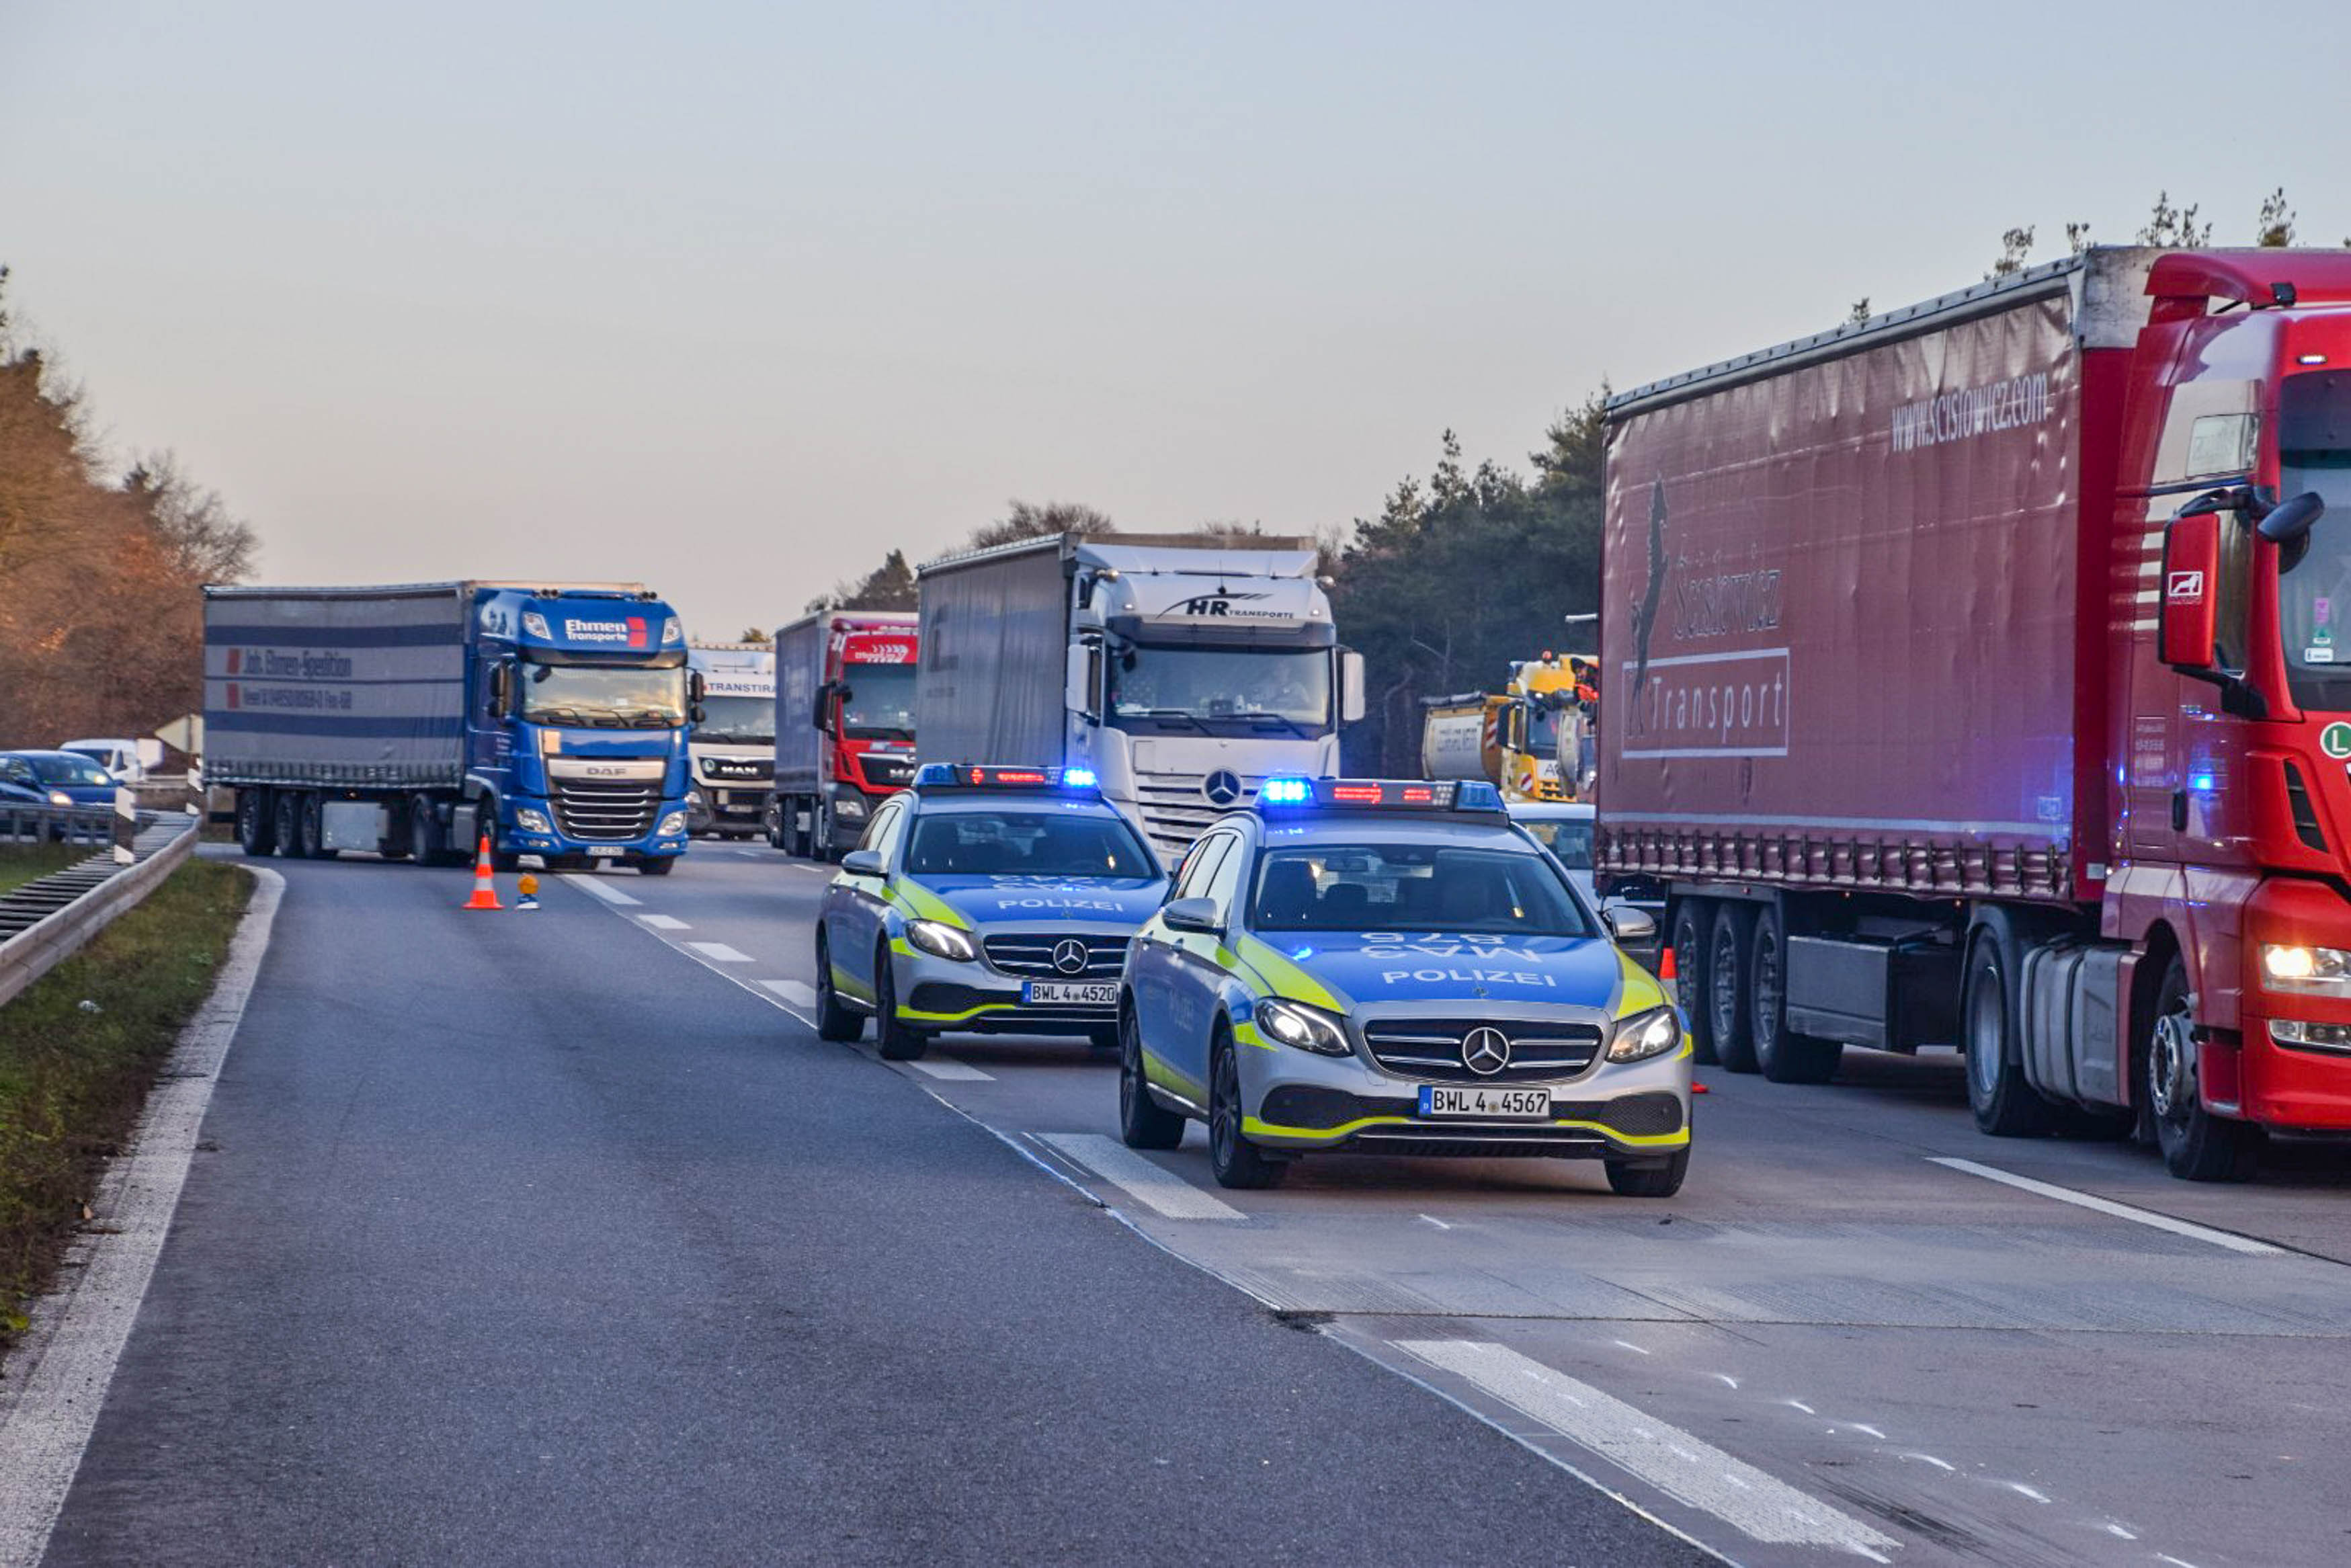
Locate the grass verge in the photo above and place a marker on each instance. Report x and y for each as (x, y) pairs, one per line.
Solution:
(21, 863)
(78, 1051)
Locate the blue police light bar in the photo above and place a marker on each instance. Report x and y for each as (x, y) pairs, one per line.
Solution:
(1000, 775)
(1078, 778)
(1379, 794)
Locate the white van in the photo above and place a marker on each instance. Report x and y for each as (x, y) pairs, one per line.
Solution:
(127, 760)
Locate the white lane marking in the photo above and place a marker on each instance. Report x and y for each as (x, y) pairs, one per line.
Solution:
(1162, 1190)
(949, 1067)
(1685, 1467)
(2020, 1489)
(750, 854)
(2118, 1532)
(718, 952)
(596, 884)
(2118, 1211)
(803, 865)
(664, 923)
(1943, 1465)
(1628, 1345)
(799, 992)
(61, 1376)
(1726, 1379)
(1873, 1431)
(1436, 1222)
(1801, 1406)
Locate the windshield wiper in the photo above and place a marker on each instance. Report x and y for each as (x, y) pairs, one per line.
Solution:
(652, 718)
(1165, 713)
(1286, 722)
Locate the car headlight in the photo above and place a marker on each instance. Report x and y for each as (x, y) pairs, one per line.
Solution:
(531, 819)
(59, 798)
(1644, 1035)
(672, 825)
(2290, 967)
(1308, 1028)
(936, 937)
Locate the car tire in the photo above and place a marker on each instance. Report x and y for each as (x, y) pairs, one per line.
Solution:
(2195, 1144)
(1783, 1055)
(1693, 924)
(2005, 1104)
(834, 1019)
(1648, 1178)
(1729, 1001)
(257, 830)
(1232, 1158)
(286, 823)
(893, 1040)
(1142, 1123)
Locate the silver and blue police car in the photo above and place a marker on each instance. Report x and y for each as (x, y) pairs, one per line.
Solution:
(1392, 965)
(985, 899)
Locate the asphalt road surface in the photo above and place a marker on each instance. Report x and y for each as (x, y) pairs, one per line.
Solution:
(558, 1237)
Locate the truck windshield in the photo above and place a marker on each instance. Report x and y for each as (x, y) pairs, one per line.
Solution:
(1421, 888)
(1543, 727)
(737, 721)
(1231, 690)
(2314, 595)
(1026, 843)
(612, 697)
(878, 703)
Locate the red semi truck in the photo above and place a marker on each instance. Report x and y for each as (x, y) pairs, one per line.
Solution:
(844, 725)
(1977, 677)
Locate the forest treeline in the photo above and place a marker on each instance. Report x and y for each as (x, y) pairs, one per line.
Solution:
(101, 623)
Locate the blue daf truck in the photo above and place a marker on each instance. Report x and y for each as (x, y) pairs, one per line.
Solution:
(414, 720)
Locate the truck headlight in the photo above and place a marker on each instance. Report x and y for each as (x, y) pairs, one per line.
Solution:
(2310, 1036)
(531, 819)
(945, 941)
(672, 825)
(2291, 968)
(1644, 1035)
(1308, 1028)
(848, 808)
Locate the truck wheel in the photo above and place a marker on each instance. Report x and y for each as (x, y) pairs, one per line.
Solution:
(423, 833)
(1142, 1123)
(2006, 1105)
(1730, 991)
(256, 828)
(1233, 1160)
(286, 823)
(1636, 1178)
(834, 1021)
(1693, 922)
(657, 865)
(1784, 1055)
(2197, 1145)
(314, 829)
(895, 1041)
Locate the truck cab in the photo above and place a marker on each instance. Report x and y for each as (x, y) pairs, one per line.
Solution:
(734, 741)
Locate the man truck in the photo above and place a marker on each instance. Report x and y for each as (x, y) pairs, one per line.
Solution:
(844, 725)
(1972, 679)
(734, 743)
(1180, 671)
(415, 720)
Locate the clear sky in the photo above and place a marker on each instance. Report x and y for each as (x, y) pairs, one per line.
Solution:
(729, 296)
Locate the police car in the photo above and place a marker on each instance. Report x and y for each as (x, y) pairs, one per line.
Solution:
(984, 899)
(1391, 965)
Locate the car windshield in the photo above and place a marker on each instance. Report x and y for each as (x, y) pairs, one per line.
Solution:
(616, 697)
(879, 702)
(1421, 887)
(1568, 838)
(1232, 690)
(68, 769)
(739, 721)
(1028, 844)
(2315, 594)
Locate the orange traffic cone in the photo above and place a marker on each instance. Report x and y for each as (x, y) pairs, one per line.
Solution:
(485, 892)
(1667, 978)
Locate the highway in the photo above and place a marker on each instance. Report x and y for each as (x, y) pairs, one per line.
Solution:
(558, 1237)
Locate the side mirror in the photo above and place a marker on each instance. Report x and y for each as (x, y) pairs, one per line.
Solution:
(2186, 634)
(1351, 686)
(1077, 680)
(501, 689)
(862, 863)
(1629, 927)
(821, 714)
(1194, 914)
(693, 712)
(2290, 519)
(696, 688)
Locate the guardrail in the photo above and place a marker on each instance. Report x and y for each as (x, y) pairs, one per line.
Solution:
(47, 920)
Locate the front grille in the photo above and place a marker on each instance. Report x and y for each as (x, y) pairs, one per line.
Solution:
(738, 767)
(887, 772)
(1430, 1049)
(1485, 1142)
(1175, 811)
(606, 809)
(1030, 953)
(1314, 1107)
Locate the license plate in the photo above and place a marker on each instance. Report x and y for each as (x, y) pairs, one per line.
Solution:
(1494, 1104)
(1078, 993)
(604, 851)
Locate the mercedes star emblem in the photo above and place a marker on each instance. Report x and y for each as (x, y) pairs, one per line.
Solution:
(1222, 787)
(1485, 1052)
(1069, 955)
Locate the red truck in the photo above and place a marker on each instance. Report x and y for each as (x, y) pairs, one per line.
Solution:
(844, 725)
(1974, 679)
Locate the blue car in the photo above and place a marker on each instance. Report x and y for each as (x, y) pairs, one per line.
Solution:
(60, 778)
(989, 900)
(1391, 965)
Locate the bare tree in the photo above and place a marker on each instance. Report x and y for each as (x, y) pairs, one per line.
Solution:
(2276, 225)
(2014, 247)
(2174, 226)
(1026, 520)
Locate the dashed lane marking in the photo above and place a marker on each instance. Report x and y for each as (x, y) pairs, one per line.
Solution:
(1161, 1190)
(664, 923)
(719, 953)
(2244, 1244)
(1685, 1467)
(597, 886)
(949, 1068)
(800, 993)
